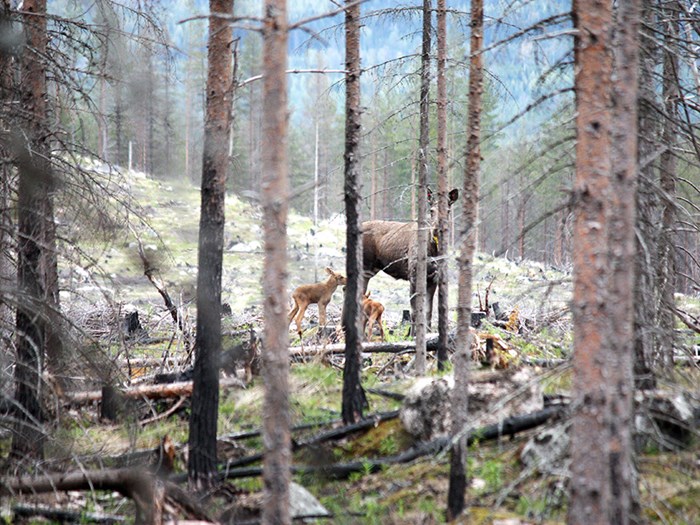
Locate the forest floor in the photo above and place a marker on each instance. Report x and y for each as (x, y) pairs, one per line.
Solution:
(502, 491)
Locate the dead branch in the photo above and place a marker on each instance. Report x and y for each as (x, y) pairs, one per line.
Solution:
(165, 391)
(149, 493)
(136, 484)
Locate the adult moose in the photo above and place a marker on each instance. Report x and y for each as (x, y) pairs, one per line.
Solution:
(390, 246)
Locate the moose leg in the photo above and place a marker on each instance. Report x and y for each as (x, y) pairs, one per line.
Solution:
(370, 327)
(412, 330)
(429, 294)
(293, 312)
(300, 316)
(322, 315)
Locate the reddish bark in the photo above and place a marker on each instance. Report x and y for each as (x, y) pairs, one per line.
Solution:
(275, 193)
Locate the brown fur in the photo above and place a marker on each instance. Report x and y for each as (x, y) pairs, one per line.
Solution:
(372, 312)
(390, 246)
(319, 293)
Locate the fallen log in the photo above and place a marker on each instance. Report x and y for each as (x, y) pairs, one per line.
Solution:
(165, 391)
(20, 513)
(147, 491)
(508, 427)
(378, 347)
(336, 433)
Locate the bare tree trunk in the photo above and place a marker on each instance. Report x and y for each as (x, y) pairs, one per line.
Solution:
(373, 183)
(646, 301)
(385, 185)
(215, 165)
(590, 489)
(619, 370)
(33, 192)
(275, 195)
(442, 251)
(188, 140)
(419, 294)
(354, 400)
(8, 271)
(667, 166)
(468, 233)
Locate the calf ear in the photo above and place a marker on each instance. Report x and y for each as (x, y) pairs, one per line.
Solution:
(453, 196)
(329, 271)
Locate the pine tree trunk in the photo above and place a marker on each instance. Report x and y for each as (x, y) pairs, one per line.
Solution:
(354, 400)
(215, 165)
(418, 296)
(590, 489)
(468, 234)
(645, 302)
(275, 191)
(619, 369)
(667, 166)
(33, 194)
(442, 251)
(8, 271)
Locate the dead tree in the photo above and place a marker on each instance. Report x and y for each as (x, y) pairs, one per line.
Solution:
(201, 465)
(419, 320)
(354, 400)
(458, 456)
(275, 206)
(34, 195)
(442, 229)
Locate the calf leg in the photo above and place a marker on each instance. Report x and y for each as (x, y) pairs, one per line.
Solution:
(293, 312)
(370, 327)
(300, 316)
(381, 326)
(322, 314)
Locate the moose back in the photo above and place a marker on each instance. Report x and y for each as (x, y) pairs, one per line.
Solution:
(390, 246)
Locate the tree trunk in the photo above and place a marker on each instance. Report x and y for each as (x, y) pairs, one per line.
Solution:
(422, 241)
(590, 488)
(354, 400)
(666, 275)
(33, 194)
(461, 358)
(215, 164)
(645, 302)
(622, 250)
(8, 271)
(275, 206)
(442, 251)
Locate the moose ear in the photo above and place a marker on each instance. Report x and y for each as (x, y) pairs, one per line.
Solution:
(453, 196)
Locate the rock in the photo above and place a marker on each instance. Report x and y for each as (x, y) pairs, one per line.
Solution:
(425, 413)
(666, 419)
(303, 503)
(493, 396)
(548, 451)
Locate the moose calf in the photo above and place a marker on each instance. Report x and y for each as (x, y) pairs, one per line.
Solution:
(320, 293)
(372, 311)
